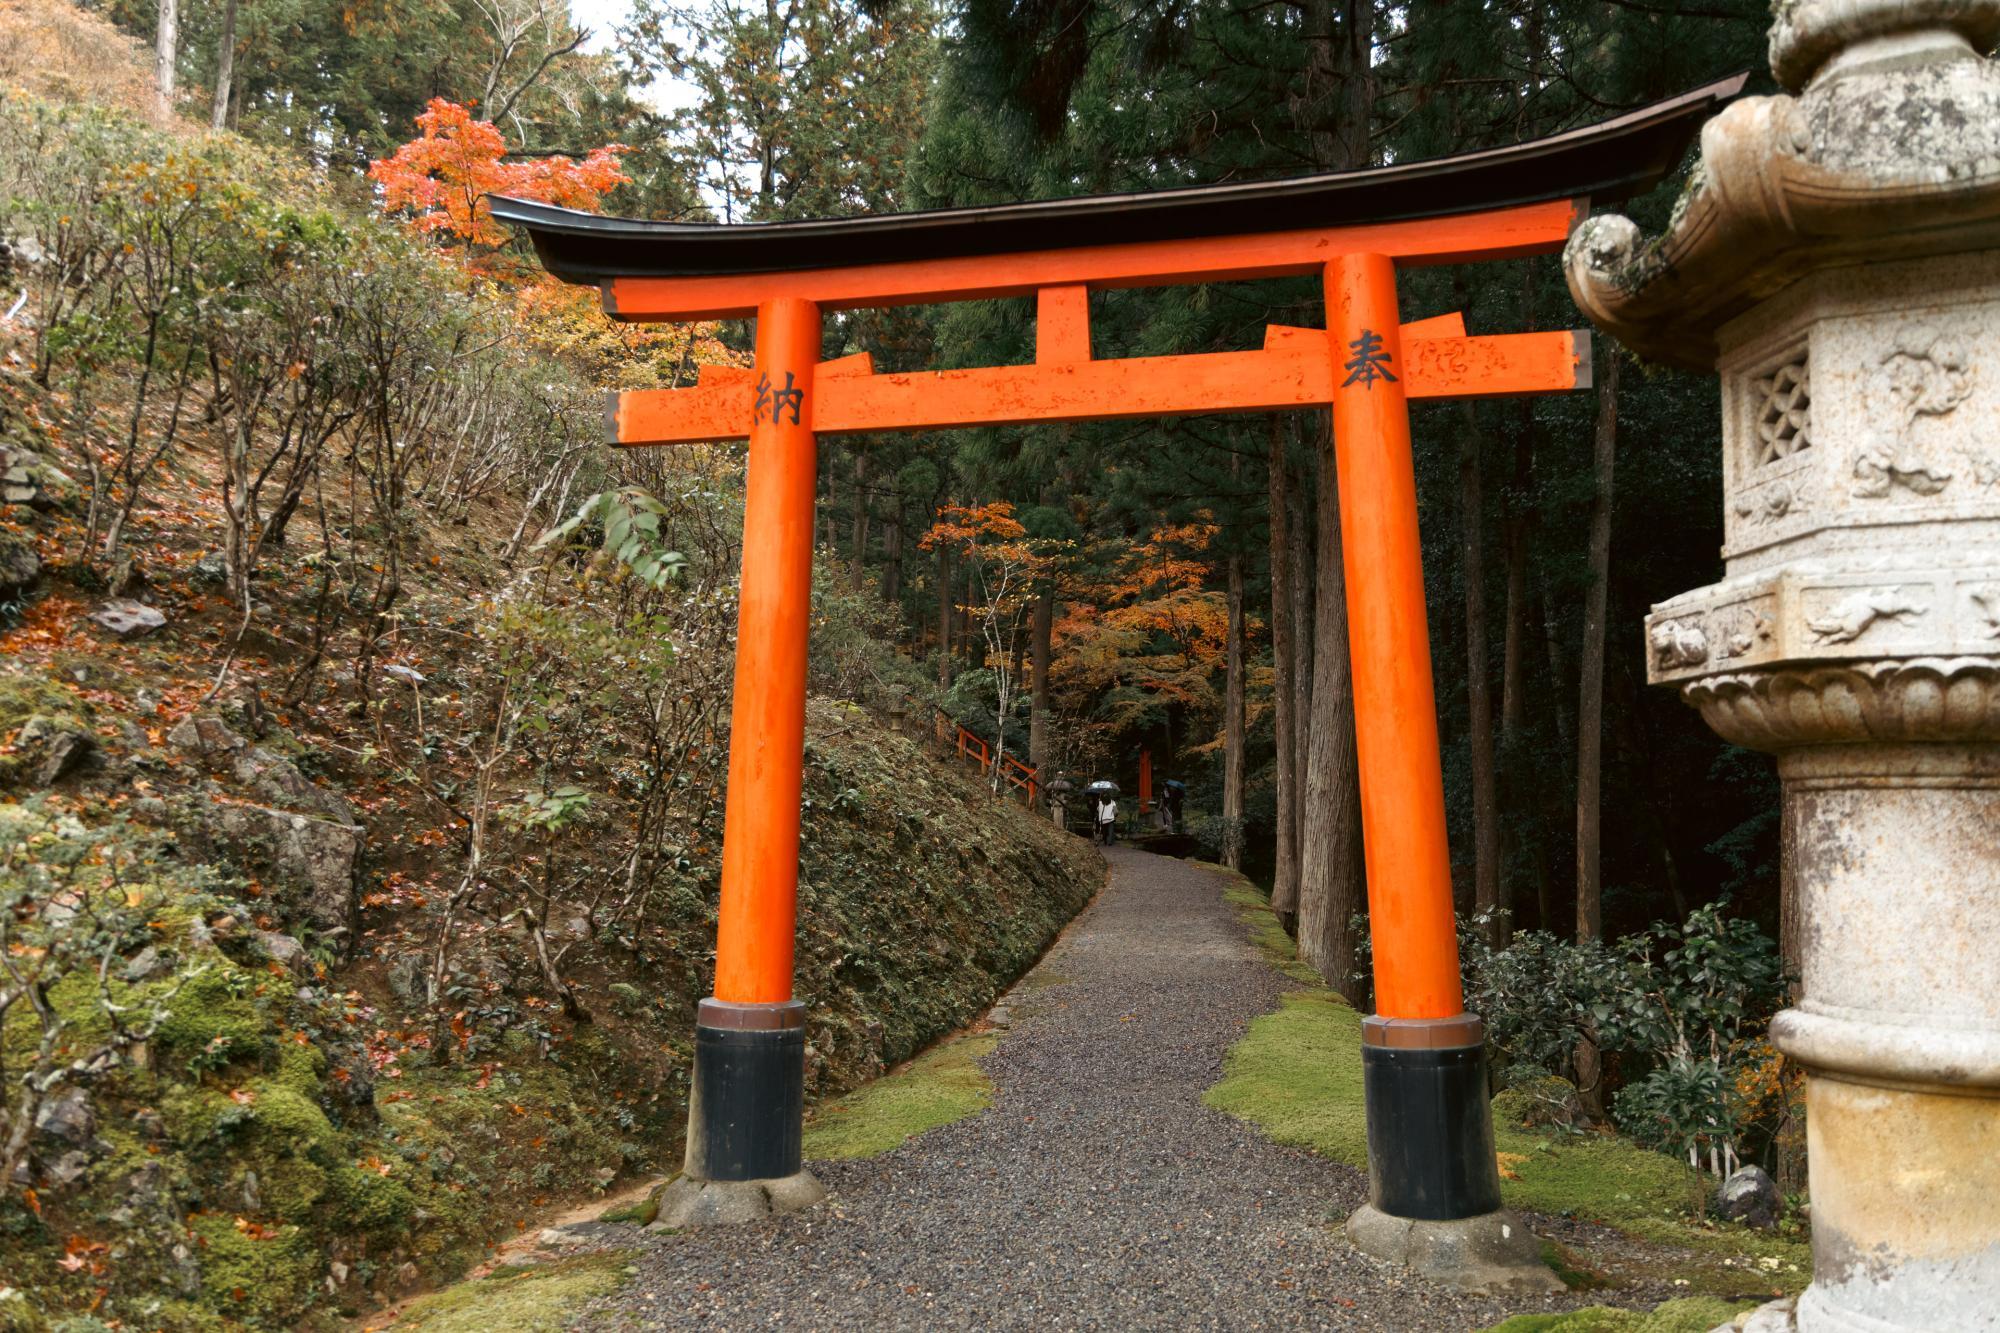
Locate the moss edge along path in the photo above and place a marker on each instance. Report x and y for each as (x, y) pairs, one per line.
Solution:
(1096, 1190)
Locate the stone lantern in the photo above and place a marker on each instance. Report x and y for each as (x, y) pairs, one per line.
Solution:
(1837, 262)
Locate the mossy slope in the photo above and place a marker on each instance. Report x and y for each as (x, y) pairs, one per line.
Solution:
(294, 1150)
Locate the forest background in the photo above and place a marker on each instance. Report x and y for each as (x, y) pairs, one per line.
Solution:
(302, 319)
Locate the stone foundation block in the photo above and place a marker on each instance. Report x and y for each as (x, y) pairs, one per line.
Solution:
(688, 1202)
(1493, 1252)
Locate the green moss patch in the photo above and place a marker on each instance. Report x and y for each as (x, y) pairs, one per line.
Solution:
(943, 1085)
(22, 696)
(1262, 922)
(1695, 1314)
(265, 1275)
(543, 1299)
(1296, 1075)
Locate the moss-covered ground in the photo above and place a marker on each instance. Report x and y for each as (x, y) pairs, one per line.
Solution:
(942, 1085)
(542, 1299)
(1297, 1076)
(1694, 1314)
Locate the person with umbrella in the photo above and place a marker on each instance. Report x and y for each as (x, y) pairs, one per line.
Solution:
(1059, 791)
(1104, 806)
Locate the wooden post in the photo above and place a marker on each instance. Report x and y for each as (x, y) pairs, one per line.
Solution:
(747, 1112)
(1430, 1131)
(1395, 714)
(760, 838)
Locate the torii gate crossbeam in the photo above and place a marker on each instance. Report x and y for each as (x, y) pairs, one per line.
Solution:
(1429, 1129)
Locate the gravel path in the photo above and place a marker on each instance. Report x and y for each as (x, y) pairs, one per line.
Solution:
(1097, 1192)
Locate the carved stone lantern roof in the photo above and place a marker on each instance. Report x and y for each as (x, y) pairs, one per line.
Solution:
(1888, 146)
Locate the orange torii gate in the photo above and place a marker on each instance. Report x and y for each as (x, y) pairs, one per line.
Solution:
(1429, 1130)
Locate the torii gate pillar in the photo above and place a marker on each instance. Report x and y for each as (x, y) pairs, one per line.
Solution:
(1434, 1185)
(746, 1109)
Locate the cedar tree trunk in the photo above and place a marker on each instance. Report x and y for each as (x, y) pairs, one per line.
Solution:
(1232, 727)
(1285, 878)
(1590, 674)
(1330, 867)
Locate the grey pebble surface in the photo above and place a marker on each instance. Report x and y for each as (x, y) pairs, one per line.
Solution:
(1097, 1192)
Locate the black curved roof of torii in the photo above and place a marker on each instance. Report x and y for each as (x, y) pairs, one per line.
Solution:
(1610, 160)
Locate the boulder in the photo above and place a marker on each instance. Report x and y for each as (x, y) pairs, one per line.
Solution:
(297, 831)
(66, 1169)
(1750, 1196)
(407, 973)
(67, 1118)
(204, 737)
(145, 965)
(26, 478)
(56, 746)
(278, 780)
(287, 950)
(126, 618)
(19, 565)
(315, 856)
(212, 568)
(1538, 1101)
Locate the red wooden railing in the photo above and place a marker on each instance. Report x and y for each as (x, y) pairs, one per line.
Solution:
(1015, 776)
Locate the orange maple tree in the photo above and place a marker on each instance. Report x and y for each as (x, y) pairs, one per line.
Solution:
(1149, 634)
(442, 177)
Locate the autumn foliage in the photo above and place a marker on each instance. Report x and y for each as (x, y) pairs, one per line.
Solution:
(1150, 633)
(441, 178)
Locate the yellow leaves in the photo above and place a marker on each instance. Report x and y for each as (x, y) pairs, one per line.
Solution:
(1507, 1161)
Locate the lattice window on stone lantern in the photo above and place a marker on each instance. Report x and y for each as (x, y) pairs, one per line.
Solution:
(1784, 411)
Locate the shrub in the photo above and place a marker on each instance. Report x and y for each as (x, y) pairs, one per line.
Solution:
(1681, 1004)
